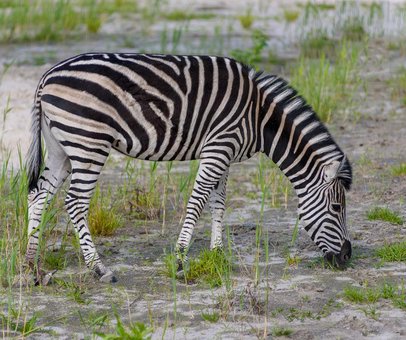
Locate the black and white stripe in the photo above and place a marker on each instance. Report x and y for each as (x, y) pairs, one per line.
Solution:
(165, 107)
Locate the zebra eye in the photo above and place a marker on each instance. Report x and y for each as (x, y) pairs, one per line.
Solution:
(336, 207)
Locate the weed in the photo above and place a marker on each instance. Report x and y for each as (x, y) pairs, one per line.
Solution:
(360, 294)
(290, 15)
(104, 218)
(316, 44)
(93, 319)
(55, 259)
(49, 20)
(388, 291)
(328, 87)
(179, 15)
(74, 291)
(253, 55)
(395, 252)
(299, 314)
(371, 311)
(137, 330)
(211, 316)
(384, 214)
(211, 266)
(399, 170)
(281, 331)
(398, 85)
(13, 322)
(353, 29)
(247, 19)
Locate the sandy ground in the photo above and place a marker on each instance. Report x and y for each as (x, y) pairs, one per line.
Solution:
(306, 298)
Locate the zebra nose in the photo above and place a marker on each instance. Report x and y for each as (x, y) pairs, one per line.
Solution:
(345, 252)
(341, 259)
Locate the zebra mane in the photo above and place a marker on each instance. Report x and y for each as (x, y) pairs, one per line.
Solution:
(277, 90)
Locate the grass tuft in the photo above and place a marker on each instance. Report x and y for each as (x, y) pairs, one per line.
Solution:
(384, 214)
(290, 15)
(399, 170)
(104, 218)
(211, 317)
(212, 267)
(281, 331)
(361, 295)
(252, 56)
(317, 43)
(247, 19)
(137, 330)
(395, 252)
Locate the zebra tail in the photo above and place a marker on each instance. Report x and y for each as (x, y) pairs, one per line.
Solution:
(34, 155)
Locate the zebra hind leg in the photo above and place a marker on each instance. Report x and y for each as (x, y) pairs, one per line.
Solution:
(217, 207)
(85, 173)
(57, 169)
(209, 174)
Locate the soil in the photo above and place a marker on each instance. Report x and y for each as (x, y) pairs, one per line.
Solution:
(305, 297)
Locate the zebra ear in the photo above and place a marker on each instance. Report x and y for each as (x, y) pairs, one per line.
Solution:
(331, 170)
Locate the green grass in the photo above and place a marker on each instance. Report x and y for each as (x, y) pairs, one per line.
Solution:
(369, 295)
(317, 43)
(49, 20)
(104, 217)
(328, 87)
(353, 29)
(212, 267)
(399, 170)
(247, 19)
(398, 86)
(212, 317)
(291, 15)
(361, 295)
(179, 15)
(384, 214)
(395, 252)
(253, 55)
(136, 330)
(281, 331)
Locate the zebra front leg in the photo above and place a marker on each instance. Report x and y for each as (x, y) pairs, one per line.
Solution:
(217, 206)
(77, 203)
(209, 173)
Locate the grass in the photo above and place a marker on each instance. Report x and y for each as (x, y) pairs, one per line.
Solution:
(353, 29)
(212, 317)
(361, 295)
(399, 170)
(395, 252)
(104, 217)
(384, 214)
(398, 85)
(247, 19)
(290, 15)
(367, 295)
(281, 331)
(49, 20)
(317, 43)
(136, 330)
(179, 15)
(328, 87)
(212, 267)
(253, 55)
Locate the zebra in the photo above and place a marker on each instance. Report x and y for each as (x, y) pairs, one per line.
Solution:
(180, 107)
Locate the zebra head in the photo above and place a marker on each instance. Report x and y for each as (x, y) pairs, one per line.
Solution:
(322, 211)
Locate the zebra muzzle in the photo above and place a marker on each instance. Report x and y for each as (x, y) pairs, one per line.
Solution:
(341, 259)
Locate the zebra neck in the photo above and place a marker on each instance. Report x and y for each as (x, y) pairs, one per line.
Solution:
(294, 138)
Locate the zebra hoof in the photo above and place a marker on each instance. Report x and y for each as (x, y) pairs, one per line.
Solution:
(108, 278)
